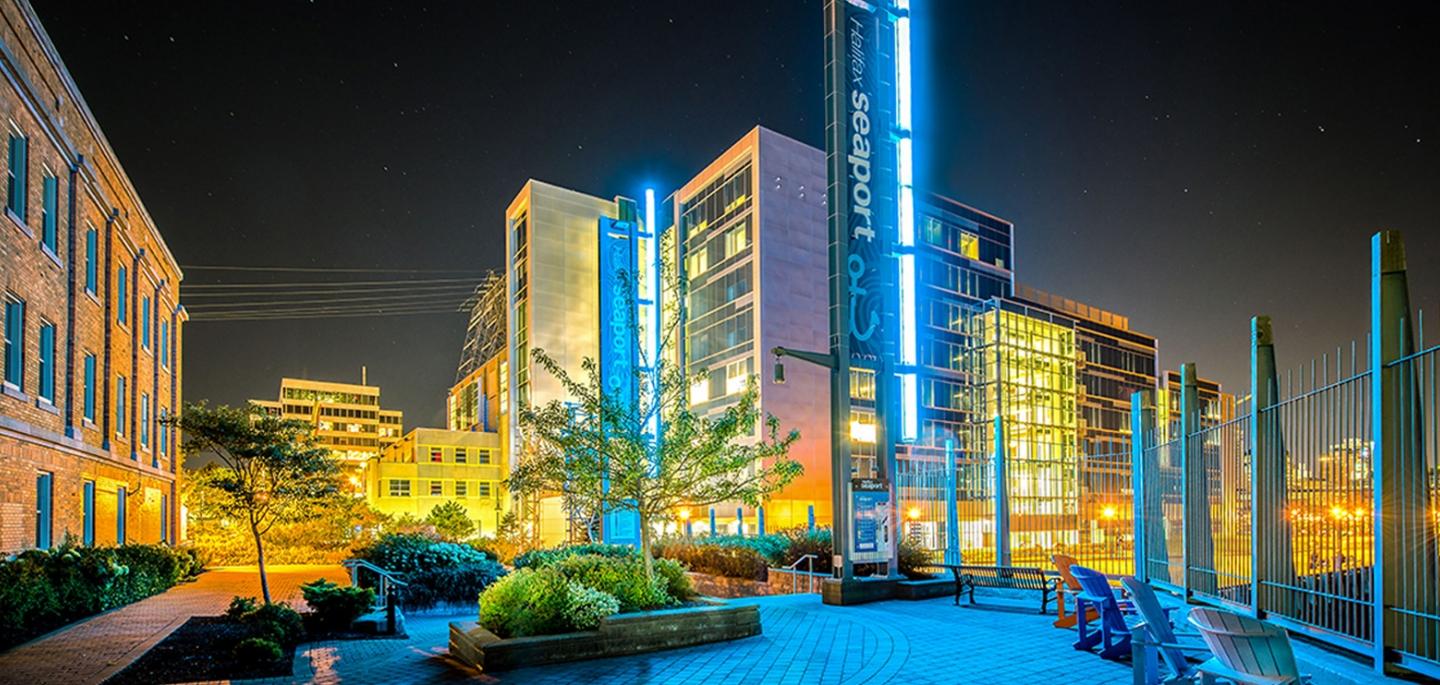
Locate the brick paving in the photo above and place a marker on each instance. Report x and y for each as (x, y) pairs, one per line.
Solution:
(804, 641)
(91, 650)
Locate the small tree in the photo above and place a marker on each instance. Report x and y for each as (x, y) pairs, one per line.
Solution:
(270, 471)
(601, 449)
(451, 521)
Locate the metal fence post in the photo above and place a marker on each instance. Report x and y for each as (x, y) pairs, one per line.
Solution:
(1405, 570)
(1002, 496)
(1194, 490)
(1271, 553)
(952, 507)
(1142, 423)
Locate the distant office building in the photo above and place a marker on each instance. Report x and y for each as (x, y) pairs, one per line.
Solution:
(428, 467)
(347, 418)
(91, 321)
(552, 289)
(485, 334)
(752, 239)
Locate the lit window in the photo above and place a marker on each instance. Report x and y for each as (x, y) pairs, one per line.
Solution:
(737, 375)
(437, 455)
(700, 391)
(970, 245)
(399, 488)
(932, 231)
(862, 432)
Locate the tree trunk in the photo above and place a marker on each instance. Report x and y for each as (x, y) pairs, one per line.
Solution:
(260, 558)
(645, 546)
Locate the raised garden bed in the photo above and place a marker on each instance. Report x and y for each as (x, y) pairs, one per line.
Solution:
(199, 650)
(618, 635)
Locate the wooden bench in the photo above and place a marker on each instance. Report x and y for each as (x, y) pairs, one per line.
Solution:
(971, 576)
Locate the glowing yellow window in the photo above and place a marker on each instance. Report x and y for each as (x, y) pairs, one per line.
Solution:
(970, 245)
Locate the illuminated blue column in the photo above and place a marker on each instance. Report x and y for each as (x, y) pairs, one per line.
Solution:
(811, 516)
(952, 507)
(712, 521)
(760, 520)
(905, 228)
(689, 531)
(740, 521)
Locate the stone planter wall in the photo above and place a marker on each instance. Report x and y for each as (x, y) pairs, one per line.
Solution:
(779, 581)
(618, 635)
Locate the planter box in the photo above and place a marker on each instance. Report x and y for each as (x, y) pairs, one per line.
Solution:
(779, 582)
(618, 635)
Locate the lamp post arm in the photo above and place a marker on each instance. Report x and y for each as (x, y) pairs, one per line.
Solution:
(818, 358)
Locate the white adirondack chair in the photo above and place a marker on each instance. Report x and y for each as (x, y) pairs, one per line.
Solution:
(1246, 650)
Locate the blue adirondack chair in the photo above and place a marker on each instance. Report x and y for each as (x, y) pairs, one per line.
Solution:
(1113, 635)
(1160, 634)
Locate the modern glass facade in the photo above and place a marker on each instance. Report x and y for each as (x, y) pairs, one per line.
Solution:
(717, 226)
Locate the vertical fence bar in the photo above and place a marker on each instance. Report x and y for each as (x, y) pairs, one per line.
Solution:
(1194, 493)
(1273, 556)
(1002, 496)
(952, 507)
(1142, 426)
(1405, 554)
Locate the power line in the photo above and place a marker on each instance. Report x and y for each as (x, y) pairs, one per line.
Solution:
(264, 295)
(325, 284)
(326, 269)
(280, 316)
(427, 298)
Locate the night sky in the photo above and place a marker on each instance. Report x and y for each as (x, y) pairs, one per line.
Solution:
(1188, 167)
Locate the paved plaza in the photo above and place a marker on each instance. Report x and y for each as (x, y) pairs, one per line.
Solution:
(804, 641)
(96, 648)
(916, 643)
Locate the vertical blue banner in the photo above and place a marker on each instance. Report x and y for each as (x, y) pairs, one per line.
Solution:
(618, 347)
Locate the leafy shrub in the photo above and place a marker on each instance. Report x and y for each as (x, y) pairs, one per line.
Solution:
(719, 560)
(451, 521)
(772, 547)
(240, 606)
(408, 553)
(487, 546)
(335, 607)
(544, 557)
(41, 590)
(458, 585)
(677, 584)
(277, 623)
(912, 557)
(803, 541)
(258, 650)
(586, 607)
(526, 602)
(623, 578)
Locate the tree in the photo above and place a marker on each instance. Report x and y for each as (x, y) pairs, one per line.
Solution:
(451, 521)
(601, 449)
(270, 471)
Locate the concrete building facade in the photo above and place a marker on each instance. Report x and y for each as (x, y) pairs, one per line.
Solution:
(92, 320)
(347, 419)
(428, 467)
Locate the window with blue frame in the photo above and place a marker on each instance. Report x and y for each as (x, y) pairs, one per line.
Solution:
(50, 213)
(122, 297)
(120, 501)
(90, 388)
(164, 435)
(144, 421)
(47, 362)
(145, 323)
(92, 260)
(119, 405)
(87, 533)
(44, 508)
(164, 343)
(17, 179)
(15, 343)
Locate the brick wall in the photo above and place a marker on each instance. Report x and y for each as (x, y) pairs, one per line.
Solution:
(40, 104)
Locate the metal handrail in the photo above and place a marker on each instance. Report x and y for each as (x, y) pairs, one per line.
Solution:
(809, 560)
(388, 580)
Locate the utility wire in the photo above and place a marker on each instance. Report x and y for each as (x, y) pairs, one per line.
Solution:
(327, 284)
(419, 298)
(325, 269)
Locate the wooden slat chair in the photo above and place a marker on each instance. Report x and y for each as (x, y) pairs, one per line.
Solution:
(1113, 635)
(1247, 650)
(1161, 633)
(1067, 583)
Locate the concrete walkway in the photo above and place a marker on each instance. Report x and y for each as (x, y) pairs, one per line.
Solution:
(93, 649)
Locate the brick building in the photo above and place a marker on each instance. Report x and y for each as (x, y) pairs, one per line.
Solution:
(91, 320)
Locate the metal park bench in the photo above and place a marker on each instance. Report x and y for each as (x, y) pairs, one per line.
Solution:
(971, 576)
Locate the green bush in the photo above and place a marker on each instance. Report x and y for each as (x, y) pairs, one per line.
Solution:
(411, 552)
(526, 602)
(623, 578)
(719, 560)
(544, 557)
(912, 557)
(435, 572)
(240, 606)
(772, 547)
(802, 542)
(276, 622)
(41, 590)
(585, 607)
(335, 607)
(258, 650)
(677, 584)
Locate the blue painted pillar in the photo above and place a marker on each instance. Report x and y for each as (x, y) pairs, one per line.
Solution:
(740, 521)
(712, 521)
(952, 507)
(760, 519)
(689, 531)
(812, 519)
